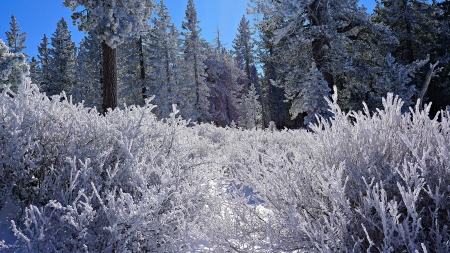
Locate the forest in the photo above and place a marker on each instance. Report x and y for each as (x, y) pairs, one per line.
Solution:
(323, 129)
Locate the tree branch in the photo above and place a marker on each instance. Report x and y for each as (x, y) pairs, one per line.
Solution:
(431, 73)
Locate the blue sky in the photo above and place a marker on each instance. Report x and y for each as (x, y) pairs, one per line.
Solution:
(39, 17)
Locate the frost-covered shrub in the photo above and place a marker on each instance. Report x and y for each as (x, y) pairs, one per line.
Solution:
(120, 182)
(359, 182)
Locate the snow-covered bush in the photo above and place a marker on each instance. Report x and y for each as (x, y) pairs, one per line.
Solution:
(128, 182)
(120, 182)
(359, 182)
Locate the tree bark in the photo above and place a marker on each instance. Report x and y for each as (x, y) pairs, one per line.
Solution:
(109, 77)
(409, 37)
(197, 90)
(142, 66)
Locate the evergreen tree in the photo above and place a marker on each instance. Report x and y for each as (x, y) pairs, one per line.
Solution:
(61, 63)
(15, 38)
(196, 91)
(163, 50)
(13, 68)
(225, 80)
(274, 107)
(308, 96)
(89, 72)
(347, 48)
(439, 92)
(43, 78)
(253, 110)
(420, 29)
(412, 23)
(113, 21)
(34, 70)
(244, 51)
(129, 72)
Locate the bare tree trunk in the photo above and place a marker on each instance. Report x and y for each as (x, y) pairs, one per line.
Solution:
(141, 64)
(197, 89)
(409, 37)
(109, 77)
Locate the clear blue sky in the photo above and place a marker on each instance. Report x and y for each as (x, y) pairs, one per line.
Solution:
(39, 17)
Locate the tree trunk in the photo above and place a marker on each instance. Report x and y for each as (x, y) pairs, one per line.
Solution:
(197, 90)
(409, 36)
(109, 77)
(142, 65)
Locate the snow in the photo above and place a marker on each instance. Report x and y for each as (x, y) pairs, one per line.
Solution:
(127, 181)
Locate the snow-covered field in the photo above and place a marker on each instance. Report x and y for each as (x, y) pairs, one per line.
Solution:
(128, 182)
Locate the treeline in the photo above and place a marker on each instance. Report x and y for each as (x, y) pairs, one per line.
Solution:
(302, 50)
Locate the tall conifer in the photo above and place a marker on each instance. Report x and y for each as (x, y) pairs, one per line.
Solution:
(197, 90)
(113, 21)
(15, 39)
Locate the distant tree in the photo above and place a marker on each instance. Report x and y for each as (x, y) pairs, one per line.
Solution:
(244, 51)
(44, 61)
(163, 57)
(308, 96)
(61, 64)
(253, 110)
(89, 72)
(113, 21)
(15, 38)
(225, 80)
(34, 70)
(13, 68)
(412, 23)
(439, 92)
(274, 107)
(142, 67)
(129, 81)
(197, 91)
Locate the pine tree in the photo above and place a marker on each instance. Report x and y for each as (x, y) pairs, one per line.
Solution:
(225, 80)
(439, 92)
(274, 107)
(309, 95)
(244, 51)
(411, 22)
(15, 38)
(43, 78)
(129, 72)
(196, 91)
(253, 110)
(338, 36)
(61, 63)
(113, 21)
(418, 25)
(13, 68)
(89, 72)
(163, 50)
(34, 70)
